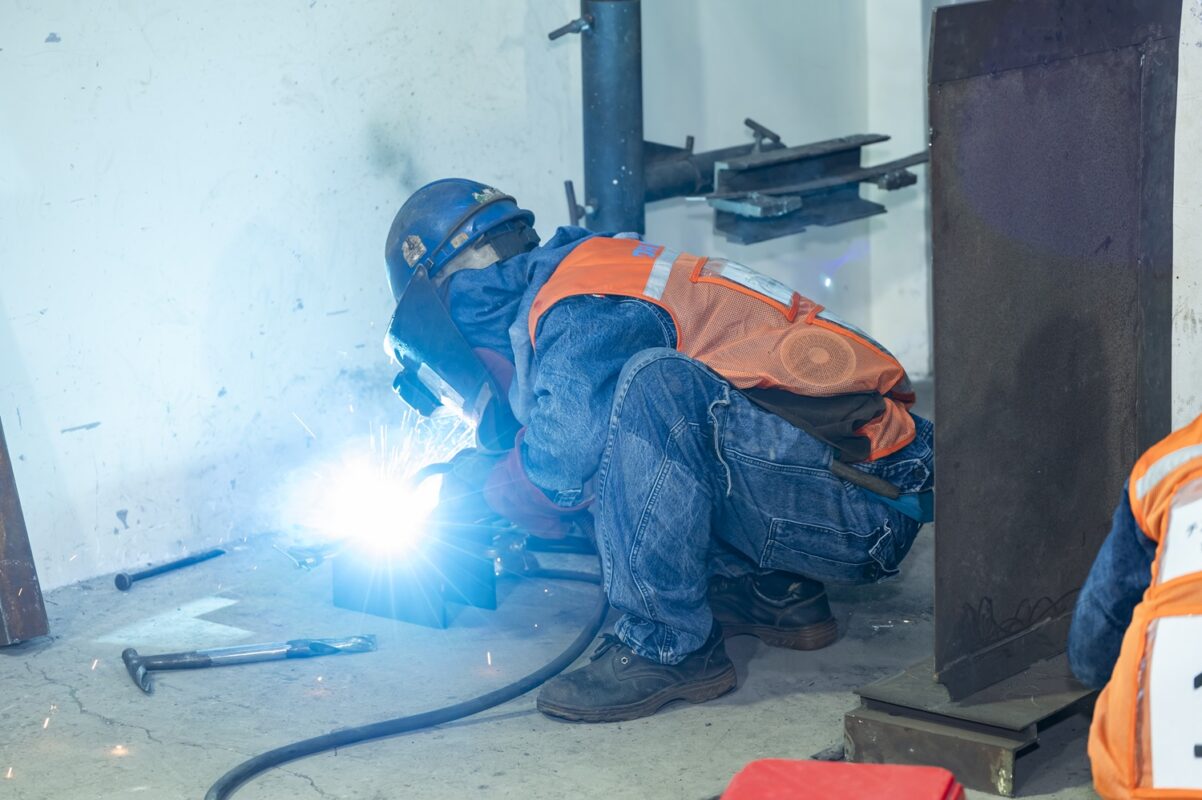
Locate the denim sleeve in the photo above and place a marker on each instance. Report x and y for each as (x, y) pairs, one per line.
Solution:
(582, 344)
(1116, 583)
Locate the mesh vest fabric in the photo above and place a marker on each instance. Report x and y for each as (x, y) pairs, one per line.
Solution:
(753, 340)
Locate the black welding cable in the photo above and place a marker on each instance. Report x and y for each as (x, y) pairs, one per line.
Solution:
(229, 783)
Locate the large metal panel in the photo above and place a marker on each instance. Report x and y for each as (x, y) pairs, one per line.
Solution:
(22, 613)
(1051, 193)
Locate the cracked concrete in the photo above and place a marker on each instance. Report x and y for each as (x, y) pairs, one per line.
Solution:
(73, 725)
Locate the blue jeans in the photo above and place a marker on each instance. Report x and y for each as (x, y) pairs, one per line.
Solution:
(1117, 581)
(695, 479)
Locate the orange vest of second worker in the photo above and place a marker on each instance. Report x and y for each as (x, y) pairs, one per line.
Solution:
(1146, 738)
(752, 330)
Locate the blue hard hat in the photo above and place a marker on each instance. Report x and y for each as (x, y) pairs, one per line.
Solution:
(442, 219)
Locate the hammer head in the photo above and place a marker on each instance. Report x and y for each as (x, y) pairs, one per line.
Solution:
(137, 669)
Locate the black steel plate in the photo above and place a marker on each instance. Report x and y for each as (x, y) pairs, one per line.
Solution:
(1051, 184)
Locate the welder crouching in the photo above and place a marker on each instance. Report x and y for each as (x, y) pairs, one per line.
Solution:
(732, 445)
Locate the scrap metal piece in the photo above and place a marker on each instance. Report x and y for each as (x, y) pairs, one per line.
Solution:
(22, 611)
(896, 179)
(310, 557)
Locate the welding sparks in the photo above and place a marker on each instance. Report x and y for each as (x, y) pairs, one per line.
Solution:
(46, 723)
(73, 556)
(119, 751)
(368, 495)
(488, 656)
(308, 430)
(95, 661)
(9, 775)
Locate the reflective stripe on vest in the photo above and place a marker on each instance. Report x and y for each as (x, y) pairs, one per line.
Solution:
(751, 329)
(1159, 472)
(1146, 737)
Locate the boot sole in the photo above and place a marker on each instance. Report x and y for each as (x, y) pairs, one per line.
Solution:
(699, 692)
(809, 637)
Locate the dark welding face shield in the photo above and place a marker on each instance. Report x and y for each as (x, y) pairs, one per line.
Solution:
(440, 370)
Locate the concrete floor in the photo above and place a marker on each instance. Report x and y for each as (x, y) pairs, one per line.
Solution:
(72, 724)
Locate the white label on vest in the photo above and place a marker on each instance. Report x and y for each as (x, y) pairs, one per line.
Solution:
(1183, 544)
(749, 279)
(1175, 703)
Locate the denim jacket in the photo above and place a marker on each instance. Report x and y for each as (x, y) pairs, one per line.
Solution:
(1117, 581)
(564, 382)
(562, 398)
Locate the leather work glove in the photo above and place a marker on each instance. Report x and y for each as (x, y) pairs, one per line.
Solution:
(461, 498)
(510, 492)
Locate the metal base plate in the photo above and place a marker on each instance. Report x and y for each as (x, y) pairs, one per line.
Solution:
(911, 719)
(414, 587)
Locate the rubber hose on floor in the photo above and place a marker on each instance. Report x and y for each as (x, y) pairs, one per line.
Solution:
(229, 783)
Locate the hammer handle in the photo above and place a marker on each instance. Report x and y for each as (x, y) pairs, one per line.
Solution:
(192, 660)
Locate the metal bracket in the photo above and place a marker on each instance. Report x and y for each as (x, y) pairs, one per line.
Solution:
(983, 738)
(764, 194)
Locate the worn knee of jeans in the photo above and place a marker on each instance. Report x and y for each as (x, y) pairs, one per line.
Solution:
(655, 499)
(664, 384)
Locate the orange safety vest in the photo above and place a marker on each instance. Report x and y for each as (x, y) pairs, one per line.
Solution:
(750, 329)
(1146, 737)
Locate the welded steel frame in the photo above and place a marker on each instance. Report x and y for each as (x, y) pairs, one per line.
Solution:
(759, 190)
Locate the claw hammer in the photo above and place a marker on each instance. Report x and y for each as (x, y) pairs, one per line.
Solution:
(140, 667)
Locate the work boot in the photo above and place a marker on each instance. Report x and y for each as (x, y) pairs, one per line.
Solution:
(779, 609)
(618, 684)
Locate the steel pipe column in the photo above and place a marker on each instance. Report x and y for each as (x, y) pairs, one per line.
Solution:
(612, 72)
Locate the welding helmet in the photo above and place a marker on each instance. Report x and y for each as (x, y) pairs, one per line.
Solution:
(444, 227)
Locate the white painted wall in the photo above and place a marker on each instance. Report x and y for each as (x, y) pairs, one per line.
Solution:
(196, 196)
(900, 302)
(795, 66)
(192, 220)
(1187, 223)
(191, 239)
(809, 70)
